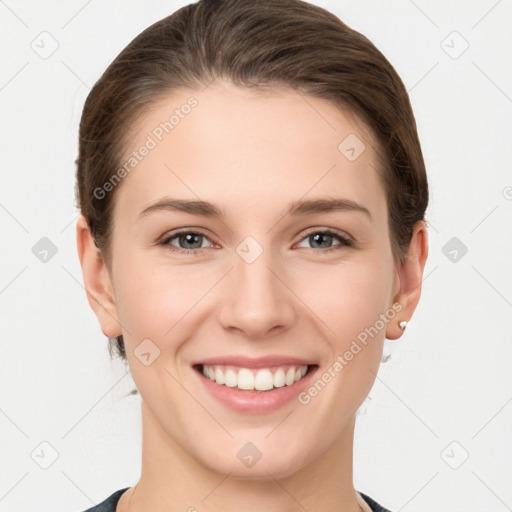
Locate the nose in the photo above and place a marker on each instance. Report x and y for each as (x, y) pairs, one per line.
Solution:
(256, 299)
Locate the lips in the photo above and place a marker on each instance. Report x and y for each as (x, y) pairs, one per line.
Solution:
(255, 385)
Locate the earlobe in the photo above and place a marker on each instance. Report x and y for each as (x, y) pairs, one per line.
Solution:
(98, 286)
(411, 277)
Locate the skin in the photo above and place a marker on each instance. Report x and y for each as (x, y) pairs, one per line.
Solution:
(252, 153)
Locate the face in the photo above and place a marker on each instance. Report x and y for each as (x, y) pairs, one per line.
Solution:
(265, 277)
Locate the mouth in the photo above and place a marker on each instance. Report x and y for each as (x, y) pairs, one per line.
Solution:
(255, 380)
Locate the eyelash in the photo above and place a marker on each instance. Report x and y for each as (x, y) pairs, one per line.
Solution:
(344, 241)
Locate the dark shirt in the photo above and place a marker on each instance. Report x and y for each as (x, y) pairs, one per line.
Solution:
(109, 505)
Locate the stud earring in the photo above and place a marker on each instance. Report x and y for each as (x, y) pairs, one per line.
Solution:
(386, 354)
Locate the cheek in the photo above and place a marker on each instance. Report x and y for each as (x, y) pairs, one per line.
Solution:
(347, 297)
(156, 300)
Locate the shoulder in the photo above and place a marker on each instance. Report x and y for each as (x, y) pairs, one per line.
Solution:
(376, 507)
(109, 504)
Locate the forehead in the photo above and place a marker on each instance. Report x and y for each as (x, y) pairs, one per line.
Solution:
(247, 148)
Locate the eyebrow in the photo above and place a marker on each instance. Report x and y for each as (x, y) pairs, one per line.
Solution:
(297, 208)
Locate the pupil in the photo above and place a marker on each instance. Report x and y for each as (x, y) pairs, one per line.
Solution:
(189, 239)
(320, 236)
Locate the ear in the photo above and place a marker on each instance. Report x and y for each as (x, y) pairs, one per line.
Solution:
(98, 286)
(410, 274)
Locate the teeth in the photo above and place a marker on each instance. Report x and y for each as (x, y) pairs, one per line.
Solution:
(262, 379)
(219, 376)
(245, 379)
(230, 379)
(279, 378)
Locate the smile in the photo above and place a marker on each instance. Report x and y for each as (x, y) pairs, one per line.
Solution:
(259, 379)
(255, 385)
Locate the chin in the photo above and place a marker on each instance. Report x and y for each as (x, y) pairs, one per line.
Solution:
(272, 466)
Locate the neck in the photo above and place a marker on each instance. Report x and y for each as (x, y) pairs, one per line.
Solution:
(172, 480)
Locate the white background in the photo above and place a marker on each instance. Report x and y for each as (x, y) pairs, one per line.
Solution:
(449, 379)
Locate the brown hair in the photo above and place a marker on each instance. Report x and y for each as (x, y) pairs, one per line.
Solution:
(253, 44)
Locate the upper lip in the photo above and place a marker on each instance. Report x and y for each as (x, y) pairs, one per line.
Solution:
(254, 362)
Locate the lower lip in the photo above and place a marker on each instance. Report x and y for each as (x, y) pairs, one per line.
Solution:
(257, 402)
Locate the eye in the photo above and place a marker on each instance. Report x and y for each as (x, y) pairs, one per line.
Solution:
(189, 242)
(322, 238)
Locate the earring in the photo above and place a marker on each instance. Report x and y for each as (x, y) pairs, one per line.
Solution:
(386, 354)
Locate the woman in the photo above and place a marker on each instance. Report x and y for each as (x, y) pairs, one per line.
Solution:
(253, 193)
